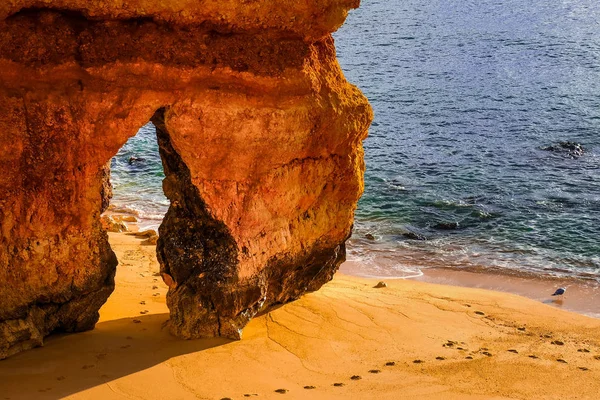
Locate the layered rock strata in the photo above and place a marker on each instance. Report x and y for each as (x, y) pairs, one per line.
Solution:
(259, 133)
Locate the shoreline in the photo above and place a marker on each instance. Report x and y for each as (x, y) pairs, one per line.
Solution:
(411, 339)
(582, 297)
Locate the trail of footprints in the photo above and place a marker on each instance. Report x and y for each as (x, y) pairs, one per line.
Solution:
(462, 348)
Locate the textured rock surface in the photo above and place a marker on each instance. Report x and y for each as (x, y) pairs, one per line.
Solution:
(260, 137)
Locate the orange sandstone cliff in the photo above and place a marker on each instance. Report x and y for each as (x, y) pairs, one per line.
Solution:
(259, 133)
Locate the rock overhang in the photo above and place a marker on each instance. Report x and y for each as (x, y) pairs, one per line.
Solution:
(259, 132)
(310, 19)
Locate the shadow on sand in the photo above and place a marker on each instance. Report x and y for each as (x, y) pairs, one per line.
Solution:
(71, 363)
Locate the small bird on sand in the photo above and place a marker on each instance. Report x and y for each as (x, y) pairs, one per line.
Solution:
(559, 291)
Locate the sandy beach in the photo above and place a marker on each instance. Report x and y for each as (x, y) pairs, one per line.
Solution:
(410, 340)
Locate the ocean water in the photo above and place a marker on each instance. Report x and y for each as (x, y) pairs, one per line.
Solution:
(466, 94)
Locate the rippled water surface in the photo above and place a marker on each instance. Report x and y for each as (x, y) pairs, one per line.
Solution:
(465, 94)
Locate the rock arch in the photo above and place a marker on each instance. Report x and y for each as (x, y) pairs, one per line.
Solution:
(260, 134)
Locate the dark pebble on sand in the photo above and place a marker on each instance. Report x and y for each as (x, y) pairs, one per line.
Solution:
(309, 387)
(281, 391)
(418, 361)
(390, 364)
(355, 377)
(338, 384)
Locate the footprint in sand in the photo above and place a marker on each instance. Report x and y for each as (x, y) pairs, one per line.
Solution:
(418, 362)
(583, 350)
(88, 366)
(309, 387)
(338, 384)
(126, 346)
(144, 312)
(156, 294)
(356, 377)
(469, 357)
(129, 337)
(513, 351)
(136, 321)
(557, 343)
(250, 394)
(486, 353)
(597, 358)
(226, 398)
(104, 376)
(522, 329)
(479, 313)
(281, 391)
(583, 368)
(390, 364)
(440, 358)
(560, 360)
(143, 303)
(374, 371)
(467, 305)
(154, 287)
(61, 378)
(533, 356)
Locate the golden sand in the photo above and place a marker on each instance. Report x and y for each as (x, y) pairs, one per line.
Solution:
(410, 340)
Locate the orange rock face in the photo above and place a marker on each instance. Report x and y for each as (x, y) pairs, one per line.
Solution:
(259, 132)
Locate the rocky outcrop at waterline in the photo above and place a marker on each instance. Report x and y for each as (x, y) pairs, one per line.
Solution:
(259, 132)
(570, 149)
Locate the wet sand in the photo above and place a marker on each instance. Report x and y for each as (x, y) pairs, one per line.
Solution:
(582, 296)
(410, 340)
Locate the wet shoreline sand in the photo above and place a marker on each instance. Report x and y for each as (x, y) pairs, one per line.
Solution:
(408, 340)
(582, 296)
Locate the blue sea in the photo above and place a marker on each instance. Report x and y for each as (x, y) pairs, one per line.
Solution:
(466, 95)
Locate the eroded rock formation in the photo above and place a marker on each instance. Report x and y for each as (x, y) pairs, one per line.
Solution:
(259, 132)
